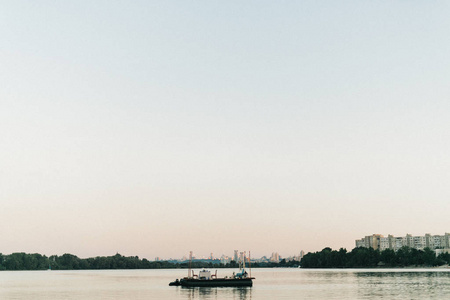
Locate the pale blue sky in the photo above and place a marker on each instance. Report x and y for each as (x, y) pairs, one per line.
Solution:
(153, 128)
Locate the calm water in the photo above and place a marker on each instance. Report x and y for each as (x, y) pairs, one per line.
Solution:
(269, 284)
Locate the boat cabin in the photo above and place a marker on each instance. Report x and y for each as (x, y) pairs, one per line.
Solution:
(204, 275)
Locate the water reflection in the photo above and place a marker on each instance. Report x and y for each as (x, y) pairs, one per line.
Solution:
(305, 284)
(238, 293)
(403, 284)
(409, 274)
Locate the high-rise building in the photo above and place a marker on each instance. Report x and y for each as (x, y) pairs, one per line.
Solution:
(300, 256)
(370, 241)
(235, 257)
(433, 242)
(225, 259)
(275, 258)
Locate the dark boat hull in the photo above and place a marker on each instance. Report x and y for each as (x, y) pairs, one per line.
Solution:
(219, 282)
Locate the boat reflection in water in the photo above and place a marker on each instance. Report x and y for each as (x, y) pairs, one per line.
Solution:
(242, 293)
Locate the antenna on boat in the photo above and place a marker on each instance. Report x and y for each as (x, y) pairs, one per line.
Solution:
(250, 263)
(190, 262)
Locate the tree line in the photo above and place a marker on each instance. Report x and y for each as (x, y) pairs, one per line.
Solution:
(327, 258)
(368, 258)
(35, 261)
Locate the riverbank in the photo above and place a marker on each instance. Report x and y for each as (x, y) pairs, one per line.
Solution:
(371, 258)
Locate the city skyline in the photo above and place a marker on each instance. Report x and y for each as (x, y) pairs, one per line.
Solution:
(153, 128)
(223, 258)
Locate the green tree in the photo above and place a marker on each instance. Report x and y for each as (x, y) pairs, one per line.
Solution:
(429, 257)
(388, 257)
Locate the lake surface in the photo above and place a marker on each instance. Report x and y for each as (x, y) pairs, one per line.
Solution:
(269, 284)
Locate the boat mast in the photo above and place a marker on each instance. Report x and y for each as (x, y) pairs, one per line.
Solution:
(190, 261)
(241, 258)
(250, 263)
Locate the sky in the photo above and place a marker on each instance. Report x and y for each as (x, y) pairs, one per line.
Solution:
(154, 128)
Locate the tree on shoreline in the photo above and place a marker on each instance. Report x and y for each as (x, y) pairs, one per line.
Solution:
(369, 258)
(24, 261)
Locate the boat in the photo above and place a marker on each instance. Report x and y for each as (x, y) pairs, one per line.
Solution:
(206, 279)
(175, 283)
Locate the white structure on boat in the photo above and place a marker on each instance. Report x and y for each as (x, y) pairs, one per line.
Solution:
(204, 275)
(378, 241)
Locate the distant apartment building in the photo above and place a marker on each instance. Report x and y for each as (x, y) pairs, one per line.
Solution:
(302, 253)
(275, 258)
(370, 241)
(377, 241)
(242, 256)
(225, 259)
(235, 257)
